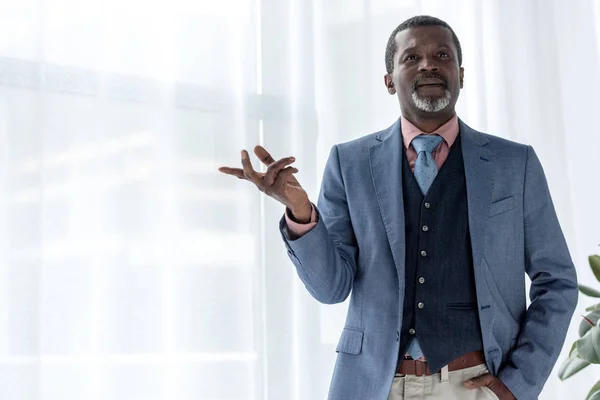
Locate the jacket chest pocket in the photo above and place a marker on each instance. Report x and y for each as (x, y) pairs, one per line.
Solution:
(501, 206)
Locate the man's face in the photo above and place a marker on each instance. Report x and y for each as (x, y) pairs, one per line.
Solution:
(426, 75)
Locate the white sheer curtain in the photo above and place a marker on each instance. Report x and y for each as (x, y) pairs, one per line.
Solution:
(130, 269)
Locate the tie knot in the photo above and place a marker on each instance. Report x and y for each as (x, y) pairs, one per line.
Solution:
(426, 143)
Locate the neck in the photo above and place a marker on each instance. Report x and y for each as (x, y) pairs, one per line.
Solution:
(429, 122)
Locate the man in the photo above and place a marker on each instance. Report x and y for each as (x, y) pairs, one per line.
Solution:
(432, 226)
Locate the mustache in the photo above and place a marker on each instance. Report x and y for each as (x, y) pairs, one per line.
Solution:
(432, 75)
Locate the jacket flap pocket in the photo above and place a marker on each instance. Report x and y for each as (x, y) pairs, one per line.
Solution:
(502, 206)
(350, 341)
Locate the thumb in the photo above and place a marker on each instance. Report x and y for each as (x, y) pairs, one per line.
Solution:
(478, 381)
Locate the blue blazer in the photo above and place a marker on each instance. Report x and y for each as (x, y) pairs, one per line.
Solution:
(357, 248)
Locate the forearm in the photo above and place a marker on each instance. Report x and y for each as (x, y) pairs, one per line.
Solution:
(326, 269)
(326, 256)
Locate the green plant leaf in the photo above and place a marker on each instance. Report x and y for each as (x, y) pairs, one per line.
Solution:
(594, 393)
(588, 347)
(571, 365)
(573, 348)
(593, 308)
(584, 326)
(595, 264)
(589, 291)
(594, 396)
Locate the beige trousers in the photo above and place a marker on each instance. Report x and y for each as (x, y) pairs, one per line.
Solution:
(441, 386)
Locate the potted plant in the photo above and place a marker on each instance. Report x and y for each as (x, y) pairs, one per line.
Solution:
(586, 350)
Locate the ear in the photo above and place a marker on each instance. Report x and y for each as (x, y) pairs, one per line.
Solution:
(462, 77)
(389, 84)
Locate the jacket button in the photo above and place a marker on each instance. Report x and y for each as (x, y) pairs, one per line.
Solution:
(423, 253)
(421, 280)
(411, 331)
(425, 228)
(427, 205)
(421, 305)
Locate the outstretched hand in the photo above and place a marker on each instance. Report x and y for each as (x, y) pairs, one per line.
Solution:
(277, 182)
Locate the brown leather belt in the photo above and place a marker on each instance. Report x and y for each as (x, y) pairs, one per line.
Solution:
(420, 368)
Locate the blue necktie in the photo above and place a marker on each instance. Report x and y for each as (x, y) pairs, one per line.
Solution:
(425, 168)
(425, 172)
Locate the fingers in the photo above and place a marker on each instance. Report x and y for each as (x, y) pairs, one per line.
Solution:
(237, 172)
(262, 180)
(282, 177)
(249, 172)
(274, 168)
(479, 381)
(263, 155)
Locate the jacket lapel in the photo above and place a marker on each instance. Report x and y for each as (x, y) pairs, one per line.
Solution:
(479, 175)
(385, 158)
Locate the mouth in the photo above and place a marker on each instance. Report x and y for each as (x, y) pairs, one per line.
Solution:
(431, 85)
(430, 82)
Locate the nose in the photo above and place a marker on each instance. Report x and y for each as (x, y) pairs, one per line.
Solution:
(428, 64)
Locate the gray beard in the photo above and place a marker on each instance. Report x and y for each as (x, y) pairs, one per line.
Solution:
(431, 104)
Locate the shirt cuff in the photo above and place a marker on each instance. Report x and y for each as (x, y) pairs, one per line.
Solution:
(295, 229)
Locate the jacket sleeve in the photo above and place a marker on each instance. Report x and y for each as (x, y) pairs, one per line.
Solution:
(553, 292)
(326, 256)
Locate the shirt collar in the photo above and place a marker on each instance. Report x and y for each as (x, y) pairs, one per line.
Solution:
(448, 131)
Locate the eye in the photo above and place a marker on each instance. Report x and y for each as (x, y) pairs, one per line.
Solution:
(443, 54)
(411, 57)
